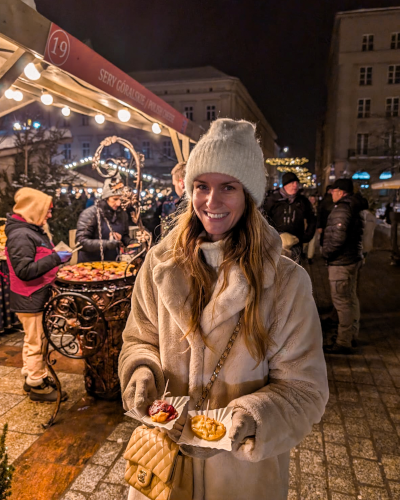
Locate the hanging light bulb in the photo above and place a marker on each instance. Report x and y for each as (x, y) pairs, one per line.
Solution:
(124, 115)
(156, 128)
(31, 72)
(18, 96)
(46, 98)
(66, 111)
(100, 119)
(9, 93)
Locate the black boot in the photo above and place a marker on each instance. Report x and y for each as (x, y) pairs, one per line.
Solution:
(50, 380)
(338, 349)
(45, 393)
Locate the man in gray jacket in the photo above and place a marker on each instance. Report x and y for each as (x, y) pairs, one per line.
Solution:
(342, 249)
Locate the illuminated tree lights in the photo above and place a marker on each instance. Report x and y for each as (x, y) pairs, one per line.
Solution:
(293, 165)
(286, 162)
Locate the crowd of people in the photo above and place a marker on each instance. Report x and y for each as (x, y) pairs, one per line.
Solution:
(227, 261)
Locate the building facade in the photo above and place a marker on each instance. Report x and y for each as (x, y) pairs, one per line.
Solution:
(204, 94)
(360, 133)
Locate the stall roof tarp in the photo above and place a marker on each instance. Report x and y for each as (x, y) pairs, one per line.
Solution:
(76, 75)
(393, 183)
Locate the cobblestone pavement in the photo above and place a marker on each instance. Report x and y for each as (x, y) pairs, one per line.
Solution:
(353, 453)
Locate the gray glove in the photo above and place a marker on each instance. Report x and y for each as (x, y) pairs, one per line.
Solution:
(176, 431)
(198, 452)
(243, 426)
(141, 390)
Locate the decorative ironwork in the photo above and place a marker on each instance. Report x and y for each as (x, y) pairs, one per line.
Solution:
(74, 325)
(112, 166)
(50, 363)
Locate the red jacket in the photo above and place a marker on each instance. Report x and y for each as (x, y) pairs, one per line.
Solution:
(32, 263)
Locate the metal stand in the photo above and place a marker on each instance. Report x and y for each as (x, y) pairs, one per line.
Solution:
(50, 364)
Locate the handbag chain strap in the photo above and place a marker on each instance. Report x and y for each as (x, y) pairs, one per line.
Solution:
(218, 368)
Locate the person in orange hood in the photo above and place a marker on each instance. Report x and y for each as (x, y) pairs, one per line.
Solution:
(33, 265)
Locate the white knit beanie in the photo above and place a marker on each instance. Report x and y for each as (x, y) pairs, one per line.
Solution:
(231, 148)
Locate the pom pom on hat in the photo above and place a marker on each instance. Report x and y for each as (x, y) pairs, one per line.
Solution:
(229, 147)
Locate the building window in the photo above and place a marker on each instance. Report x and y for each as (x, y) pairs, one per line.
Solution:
(67, 151)
(189, 112)
(366, 75)
(387, 143)
(66, 123)
(210, 113)
(394, 74)
(362, 144)
(85, 120)
(364, 108)
(395, 41)
(126, 153)
(167, 149)
(367, 43)
(392, 106)
(85, 149)
(146, 149)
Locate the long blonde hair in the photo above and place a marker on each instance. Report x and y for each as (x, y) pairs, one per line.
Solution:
(247, 245)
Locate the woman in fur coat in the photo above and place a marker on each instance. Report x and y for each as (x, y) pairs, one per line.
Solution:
(221, 260)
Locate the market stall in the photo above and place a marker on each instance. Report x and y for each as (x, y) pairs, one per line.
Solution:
(91, 301)
(39, 61)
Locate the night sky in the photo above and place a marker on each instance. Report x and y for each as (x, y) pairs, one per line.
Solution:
(278, 48)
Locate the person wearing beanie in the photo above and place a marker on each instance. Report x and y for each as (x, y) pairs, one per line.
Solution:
(103, 224)
(33, 266)
(220, 271)
(165, 210)
(291, 213)
(342, 249)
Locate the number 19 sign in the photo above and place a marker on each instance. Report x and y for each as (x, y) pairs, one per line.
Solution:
(77, 59)
(58, 47)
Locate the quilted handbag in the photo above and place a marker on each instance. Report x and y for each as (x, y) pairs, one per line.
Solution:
(156, 468)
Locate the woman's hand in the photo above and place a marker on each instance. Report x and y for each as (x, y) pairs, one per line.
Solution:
(141, 391)
(176, 431)
(243, 426)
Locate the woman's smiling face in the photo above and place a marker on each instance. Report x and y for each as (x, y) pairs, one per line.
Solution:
(219, 203)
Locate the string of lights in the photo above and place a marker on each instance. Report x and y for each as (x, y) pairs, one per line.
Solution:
(286, 161)
(156, 188)
(294, 165)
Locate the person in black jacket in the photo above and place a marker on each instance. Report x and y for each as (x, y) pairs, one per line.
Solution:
(288, 210)
(33, 265)
(343, 251)
(104, 225)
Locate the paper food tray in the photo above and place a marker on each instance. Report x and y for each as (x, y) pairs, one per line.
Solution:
(178, 402)
(62, 247)
(223, 415)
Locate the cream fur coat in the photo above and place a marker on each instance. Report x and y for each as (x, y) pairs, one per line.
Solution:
(285, 394)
